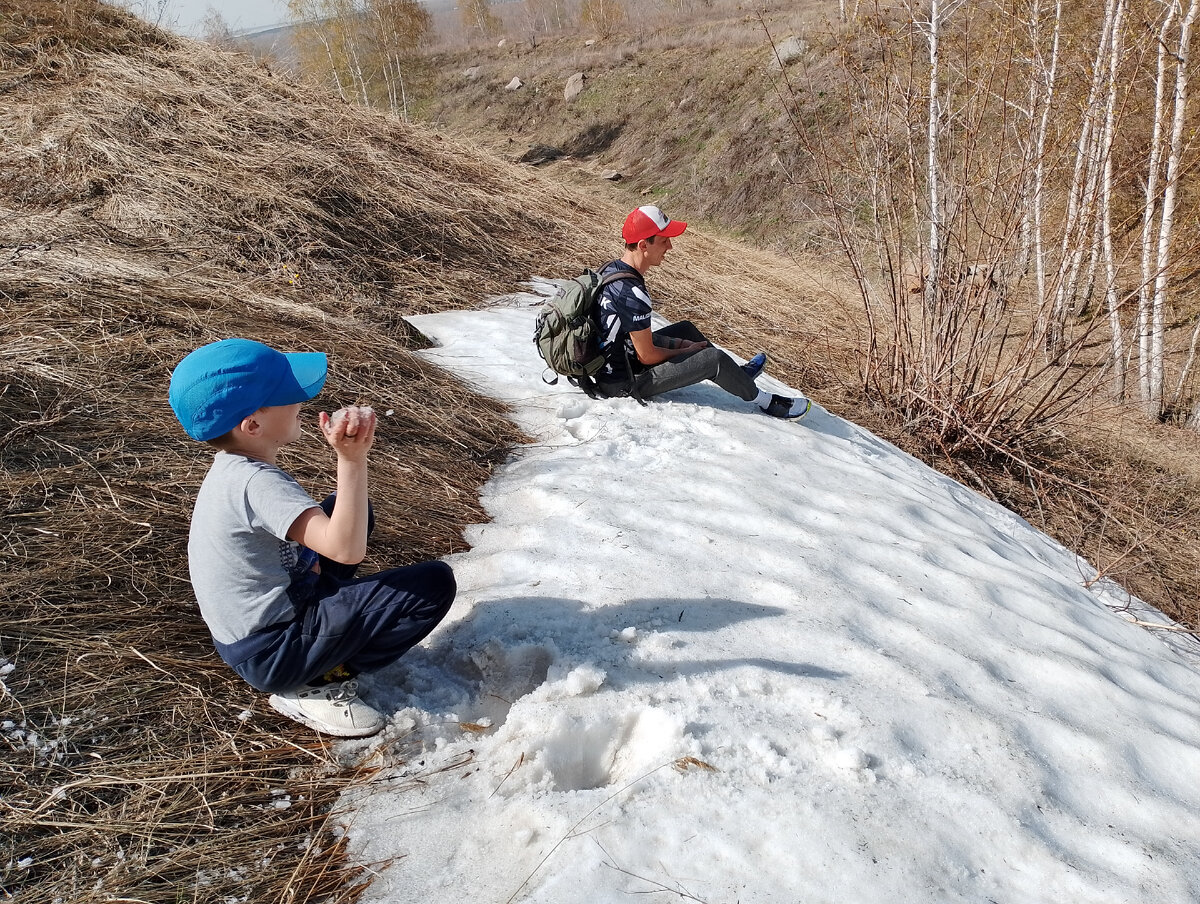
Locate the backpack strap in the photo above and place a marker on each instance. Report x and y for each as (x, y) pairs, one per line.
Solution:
(631, 388)
(587, 384)
(617, 276)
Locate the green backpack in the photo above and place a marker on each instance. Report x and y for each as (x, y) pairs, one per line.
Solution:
(567, 331)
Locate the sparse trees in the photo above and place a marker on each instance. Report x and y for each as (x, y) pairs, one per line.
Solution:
(604, 17)
(317, 40)
(978, 195)
(400, 26)
(477, 18)
(1156, 249)
(687, 6)
(545, 16)
(215, 30)
(359, 46)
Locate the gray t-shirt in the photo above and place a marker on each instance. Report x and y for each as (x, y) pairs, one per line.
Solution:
(239, 557)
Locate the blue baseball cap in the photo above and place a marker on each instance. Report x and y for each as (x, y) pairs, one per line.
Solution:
(219, 384)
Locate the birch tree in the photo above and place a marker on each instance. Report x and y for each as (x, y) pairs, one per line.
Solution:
(1082, 194)
(1117, 336)
(399, 26)
(315, 46)
(604, 17)
(478, 19)
(1171, 12)
(1043, 83)
(1151, 317)
(330, 30)
(546, 16)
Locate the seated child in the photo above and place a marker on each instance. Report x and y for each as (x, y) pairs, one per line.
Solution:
(273, 570)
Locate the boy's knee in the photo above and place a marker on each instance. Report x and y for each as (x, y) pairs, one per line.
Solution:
(711, 359)
(448, 576)
(442, 579)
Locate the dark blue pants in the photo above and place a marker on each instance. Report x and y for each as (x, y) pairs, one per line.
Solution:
(361, 623)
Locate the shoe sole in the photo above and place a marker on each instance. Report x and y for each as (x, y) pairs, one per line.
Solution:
(789, 417)
(284, 708)
(807, 409)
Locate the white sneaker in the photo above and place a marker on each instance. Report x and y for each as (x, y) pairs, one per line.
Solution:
(331, 708)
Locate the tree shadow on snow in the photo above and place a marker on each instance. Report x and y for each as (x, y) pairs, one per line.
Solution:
(512, 643)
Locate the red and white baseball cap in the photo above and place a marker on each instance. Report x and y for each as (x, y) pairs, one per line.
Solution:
(648, 221)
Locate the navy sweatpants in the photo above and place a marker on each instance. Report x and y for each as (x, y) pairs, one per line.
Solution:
(362, 623)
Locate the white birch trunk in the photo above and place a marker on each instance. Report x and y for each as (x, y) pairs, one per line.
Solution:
(1153, 173)
(1039, 172)
(1154, 404)
(337, 78)
(356, 69)
(933, 173)
(1110, 270)
(1081, 196)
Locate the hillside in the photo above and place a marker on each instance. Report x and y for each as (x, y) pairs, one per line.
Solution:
(687, 112)
(155, 195)
(691, 110)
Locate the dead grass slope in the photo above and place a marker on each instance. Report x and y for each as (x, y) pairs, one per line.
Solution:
(156, 195)
(684, 106)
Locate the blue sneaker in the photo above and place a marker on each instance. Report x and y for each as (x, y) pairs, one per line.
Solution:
(755, 365)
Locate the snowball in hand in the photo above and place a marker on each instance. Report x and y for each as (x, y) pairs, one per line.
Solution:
(363, 411)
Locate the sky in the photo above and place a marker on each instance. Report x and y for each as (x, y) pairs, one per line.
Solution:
(186, 16)
(699, 654)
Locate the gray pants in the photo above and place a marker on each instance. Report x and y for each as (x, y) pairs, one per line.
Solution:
(686, 370)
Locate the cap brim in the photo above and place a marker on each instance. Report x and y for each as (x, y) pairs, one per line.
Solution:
(308, 372)
(674, 228)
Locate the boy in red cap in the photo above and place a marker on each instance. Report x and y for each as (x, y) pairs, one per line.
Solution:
(643, 362)
(273, 571)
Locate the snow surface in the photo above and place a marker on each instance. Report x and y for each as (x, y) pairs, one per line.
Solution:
(700, 654)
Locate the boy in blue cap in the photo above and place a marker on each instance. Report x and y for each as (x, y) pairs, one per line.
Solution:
(273, 570)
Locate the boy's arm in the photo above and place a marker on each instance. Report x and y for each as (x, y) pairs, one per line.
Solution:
(342, 536)
(633, 306)
(650, 353)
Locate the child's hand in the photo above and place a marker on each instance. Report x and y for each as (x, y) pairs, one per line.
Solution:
(350, 431)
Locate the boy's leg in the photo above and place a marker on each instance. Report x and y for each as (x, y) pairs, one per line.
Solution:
(684, 329)
(373, 621)
(686, 370)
